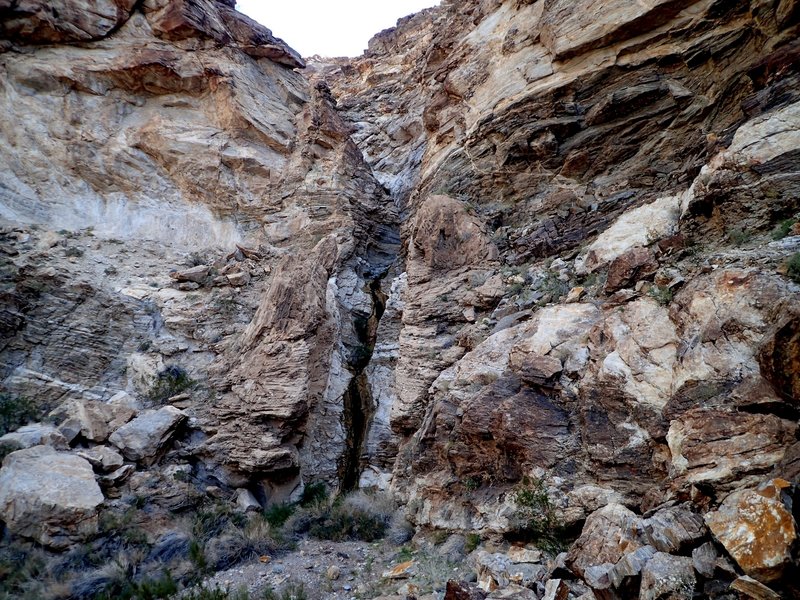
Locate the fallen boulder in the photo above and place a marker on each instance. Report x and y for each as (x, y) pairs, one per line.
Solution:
(757, 530)
(144, 438)
(49, 496)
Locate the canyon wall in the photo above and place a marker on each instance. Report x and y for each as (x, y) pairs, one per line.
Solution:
(517, 240)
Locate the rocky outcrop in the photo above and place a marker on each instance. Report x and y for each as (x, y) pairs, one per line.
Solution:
(50, 496)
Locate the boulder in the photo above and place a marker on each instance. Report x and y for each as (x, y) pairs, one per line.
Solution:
(673, 529)
(49, 496)
(757, 530)
(102, 458)
(461, 590)
(91, 420)
(632, 266)
(246, 501)
(196, 274)
(145, 437)
(754, 589)
(37, 434)
(609, 534)
(630, 565)
(704, 559)
(498, 571)
(668, 577)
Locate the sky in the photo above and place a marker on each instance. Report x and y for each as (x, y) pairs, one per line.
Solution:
(329, 27)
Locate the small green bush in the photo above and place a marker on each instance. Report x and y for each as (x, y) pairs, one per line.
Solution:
(171, 381)
(793, 267)
(126, 588)
(783, 229)
(16, 411)
(216, 593)
(473, 541)
(73, 251)
(278, 514)
(662, 294)
(536, 515)
(313, 494)
(739, 237)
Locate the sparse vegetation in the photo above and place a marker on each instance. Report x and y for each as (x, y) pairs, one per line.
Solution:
(171, 381)
(16, 411)
(739, 236)
(793, 267)
(73, 251)
(473, 541)
(278, 514)
(536, 515)
(662, 294)
(291, 592)
(783, 229)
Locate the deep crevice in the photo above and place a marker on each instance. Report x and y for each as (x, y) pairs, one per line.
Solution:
(357, 400)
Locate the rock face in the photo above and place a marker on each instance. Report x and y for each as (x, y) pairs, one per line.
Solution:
(144, 438)
(50, 496)
(545, 246)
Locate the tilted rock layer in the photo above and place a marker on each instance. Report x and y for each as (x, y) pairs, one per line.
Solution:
(517, 241)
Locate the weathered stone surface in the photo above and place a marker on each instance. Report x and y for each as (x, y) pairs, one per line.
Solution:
(102, 458)
(674, 529)
(668, 577)
(704, 559)
(37, 434)
(145, 437)
(754, 589)
(714, 446)
(94, 421)
(246, 502)
(49, 496)
(460, 590)
(62, 20)
(609, 534)
(634, 265)
(196, 274)
(757, 530)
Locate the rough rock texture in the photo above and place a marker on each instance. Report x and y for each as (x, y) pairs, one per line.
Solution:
(144, 438)
(50, 496)
(517, 245)
(757, 529)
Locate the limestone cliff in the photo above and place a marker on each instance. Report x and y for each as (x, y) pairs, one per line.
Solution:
(517, 240)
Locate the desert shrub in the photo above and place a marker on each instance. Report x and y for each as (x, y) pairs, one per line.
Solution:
(473, 541)
(16, 411)
(783, 229)
(213, 520)
(216, 593)
(359, 516)
(21, 569)
(536, 515)
(662, 294)
(290, 592)
(314, 493)
(277, 514)
(73, 251)
(793, 267)
(400, 529)
(739, 236)
(170, 381)
(125, 587)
